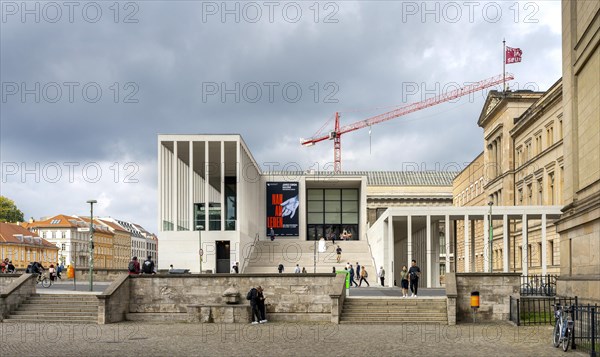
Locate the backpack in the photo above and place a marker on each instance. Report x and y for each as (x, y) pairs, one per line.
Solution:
(131, 267)
(366, 274)
(249, 294)
(280, 267)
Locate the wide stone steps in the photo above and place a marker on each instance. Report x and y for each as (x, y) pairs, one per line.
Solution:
(394, 310)
(55, 308)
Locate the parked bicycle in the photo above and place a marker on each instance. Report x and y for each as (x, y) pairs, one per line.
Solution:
(563, 327)
(44, 280)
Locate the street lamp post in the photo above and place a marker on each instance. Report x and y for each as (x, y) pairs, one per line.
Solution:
(91, 202)
(491, 242)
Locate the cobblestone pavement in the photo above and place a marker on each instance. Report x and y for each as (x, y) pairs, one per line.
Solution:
(276, 339)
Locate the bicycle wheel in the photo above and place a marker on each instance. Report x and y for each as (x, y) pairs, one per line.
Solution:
(556, 334)
(566, 340)
(46, 283)
(526, 289)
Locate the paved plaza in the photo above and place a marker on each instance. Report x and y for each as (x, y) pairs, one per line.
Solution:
(276, 339)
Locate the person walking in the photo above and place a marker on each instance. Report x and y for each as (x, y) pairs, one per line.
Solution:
(59, 269)
(297, 269)
(10, 268)
(235, 268)
(358, 270)
(304, 270)
(272, 233)
(280, 268)
(352, 281)
(414, 273)
(404, 281)
(333, 271)
(382, 275)
(338, 251)
(364, 274)
(134, 266)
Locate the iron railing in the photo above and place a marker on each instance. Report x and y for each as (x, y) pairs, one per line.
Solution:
(539, 310)
(538, 285)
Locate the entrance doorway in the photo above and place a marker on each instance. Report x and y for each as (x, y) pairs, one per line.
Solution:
(223, 256)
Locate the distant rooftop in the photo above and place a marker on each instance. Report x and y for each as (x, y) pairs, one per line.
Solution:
(385, 178)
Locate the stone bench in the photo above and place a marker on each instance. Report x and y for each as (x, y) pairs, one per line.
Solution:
(219, 313)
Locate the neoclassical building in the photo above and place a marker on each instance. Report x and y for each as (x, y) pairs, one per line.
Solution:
(521, 165)
(579, 227)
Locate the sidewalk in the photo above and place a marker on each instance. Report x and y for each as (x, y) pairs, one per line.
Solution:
(395, 292)
(67, 287)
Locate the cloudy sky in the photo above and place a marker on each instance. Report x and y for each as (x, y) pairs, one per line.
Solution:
(87, 86)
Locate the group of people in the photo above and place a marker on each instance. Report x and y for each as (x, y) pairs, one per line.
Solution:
(7, 266)
(410, 277)
(361, 273)
(257, 303)
(136, 268)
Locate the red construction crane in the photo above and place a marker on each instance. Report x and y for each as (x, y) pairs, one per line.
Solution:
(337, 132)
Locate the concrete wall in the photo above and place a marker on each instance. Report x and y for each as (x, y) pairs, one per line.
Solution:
(15, 293)
(6, 280)
(494, 293)
(289, 297)
(113, 303)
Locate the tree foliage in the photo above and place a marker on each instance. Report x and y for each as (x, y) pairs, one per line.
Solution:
(9, 211)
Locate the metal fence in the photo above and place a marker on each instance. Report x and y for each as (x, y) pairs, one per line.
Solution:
(539, 310)
(538, 285)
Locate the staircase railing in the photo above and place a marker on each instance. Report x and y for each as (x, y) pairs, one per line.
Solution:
(371, 254)
(250, 251)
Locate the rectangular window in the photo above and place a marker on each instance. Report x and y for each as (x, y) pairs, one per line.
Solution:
(551, 252)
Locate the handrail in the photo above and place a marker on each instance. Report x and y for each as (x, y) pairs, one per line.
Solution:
(252, 245)
(371, 253)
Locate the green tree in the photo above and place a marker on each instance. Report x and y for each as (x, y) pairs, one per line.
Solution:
(9, 211)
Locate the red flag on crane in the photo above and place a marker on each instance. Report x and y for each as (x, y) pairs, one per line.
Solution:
(513, 55)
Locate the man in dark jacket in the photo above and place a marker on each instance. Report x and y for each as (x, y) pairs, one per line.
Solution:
(148, 267)
(261, 305)
(254, 304)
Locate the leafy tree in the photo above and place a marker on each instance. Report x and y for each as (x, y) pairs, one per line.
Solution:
(9, 211)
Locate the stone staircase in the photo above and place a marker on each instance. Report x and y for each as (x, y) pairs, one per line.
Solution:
(267, 255)
(57, 308)
(394, 311)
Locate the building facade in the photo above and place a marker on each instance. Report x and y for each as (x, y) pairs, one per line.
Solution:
(215, 201)
(21, 247)
(68, 233)
(121, 244)
(521, 165)
(579, 228)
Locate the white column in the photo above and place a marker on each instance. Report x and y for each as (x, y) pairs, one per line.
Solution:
(525, 257)
(174, 198)
(543, 252)
(428, 251)
(222, 185)
(238, 188)
(505, 242)
(190, 192)
(206, 186)
(486, 244)
(409, 239)
(389, 268)
(447, 234)
(467, 245)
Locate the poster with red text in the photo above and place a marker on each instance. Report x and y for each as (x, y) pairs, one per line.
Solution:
(282, 208)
